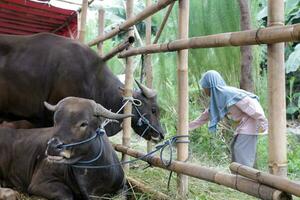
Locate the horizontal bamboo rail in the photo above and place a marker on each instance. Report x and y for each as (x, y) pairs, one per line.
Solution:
(268, 35)
(133, 20)
(123, 45)
(278, 182)
(233, 181)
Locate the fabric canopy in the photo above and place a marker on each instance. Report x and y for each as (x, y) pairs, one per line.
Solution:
(24, 17)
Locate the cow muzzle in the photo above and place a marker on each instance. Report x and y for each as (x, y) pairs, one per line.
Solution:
(57, 153)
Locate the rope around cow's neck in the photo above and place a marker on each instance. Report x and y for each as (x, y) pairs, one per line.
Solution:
(168, 143)
(135, 102)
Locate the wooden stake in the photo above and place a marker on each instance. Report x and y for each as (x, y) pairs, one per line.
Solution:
(133, 20)
(280, 183)
(141, 187)
(162, 26)
(128, 89)
(183, 104)
(236, 182)
(148, 64)
(101, 13)
(83, 20)
(268, 35)
(276, 94)
(119, 48)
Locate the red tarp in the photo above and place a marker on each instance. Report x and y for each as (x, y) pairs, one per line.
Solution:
(23, 17)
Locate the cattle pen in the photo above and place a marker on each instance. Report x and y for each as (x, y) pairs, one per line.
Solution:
(273, 185)
(274, 35)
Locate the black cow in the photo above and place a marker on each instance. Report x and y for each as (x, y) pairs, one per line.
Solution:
(47, 67)
(39, 161)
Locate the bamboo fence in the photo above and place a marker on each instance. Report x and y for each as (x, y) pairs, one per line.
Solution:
(236, 182)
(128, 89)
(275, 33)
(276, 94)
(133, 20)
(268, 35)
(183, 103)
(120, 47)
(278, 182)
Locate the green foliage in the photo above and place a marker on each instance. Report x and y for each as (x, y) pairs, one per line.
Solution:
(293, 61)
(293, 157)
(293, 98)
(213, 17)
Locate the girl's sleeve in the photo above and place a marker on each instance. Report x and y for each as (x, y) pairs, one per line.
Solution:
(252, 108)
(202, 119)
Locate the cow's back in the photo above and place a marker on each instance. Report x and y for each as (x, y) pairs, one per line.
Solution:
(42, 67)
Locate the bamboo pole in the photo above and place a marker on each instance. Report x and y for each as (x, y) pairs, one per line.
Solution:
(128, 89)
(148, 64)
(162, 26)
(133, 20)
(183, 103)
(120, 47)
(101, 13)
(280, 183)
(141, 187)
(268, 35)
(208, 174)
(83, 20)
(276, 94)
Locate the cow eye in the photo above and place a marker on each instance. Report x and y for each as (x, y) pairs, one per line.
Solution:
(84, 124)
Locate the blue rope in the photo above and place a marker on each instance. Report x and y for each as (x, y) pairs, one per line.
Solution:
(97, 157)
(99, 132)
(160, 148)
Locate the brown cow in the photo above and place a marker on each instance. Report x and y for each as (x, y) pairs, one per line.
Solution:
(40, 162)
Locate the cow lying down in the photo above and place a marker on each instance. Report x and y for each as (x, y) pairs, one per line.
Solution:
(39, 161)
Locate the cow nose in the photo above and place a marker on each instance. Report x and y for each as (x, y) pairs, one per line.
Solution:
(55, 142)
(55, 145)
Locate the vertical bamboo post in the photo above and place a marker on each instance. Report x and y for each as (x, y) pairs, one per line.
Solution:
(276, 85)
(128, 89)
(83, 20)
(182, 72)
(148, 64)
(101, 13)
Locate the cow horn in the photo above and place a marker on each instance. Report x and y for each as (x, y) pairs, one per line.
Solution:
(149, 93)
(50, 106)
(54, 107)
(100, 110)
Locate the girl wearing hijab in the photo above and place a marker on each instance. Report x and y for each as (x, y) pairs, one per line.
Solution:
(239, 105)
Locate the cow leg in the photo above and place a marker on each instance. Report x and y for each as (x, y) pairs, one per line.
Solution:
(51, 190)
(8, 194)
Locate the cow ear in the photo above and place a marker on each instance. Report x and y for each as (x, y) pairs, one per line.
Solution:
(50, 107)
